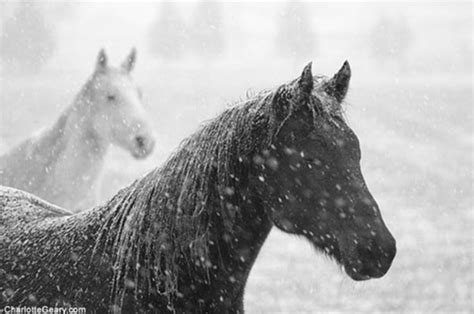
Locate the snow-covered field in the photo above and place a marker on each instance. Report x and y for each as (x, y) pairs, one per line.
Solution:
(417, 145)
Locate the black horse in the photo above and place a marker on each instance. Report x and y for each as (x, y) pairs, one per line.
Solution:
(184, 237)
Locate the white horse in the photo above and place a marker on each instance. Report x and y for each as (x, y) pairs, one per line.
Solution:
(62, 164)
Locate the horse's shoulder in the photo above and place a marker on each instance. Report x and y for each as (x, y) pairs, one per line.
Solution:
(17, 206)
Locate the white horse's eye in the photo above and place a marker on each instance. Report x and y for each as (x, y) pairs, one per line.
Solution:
(110, 97)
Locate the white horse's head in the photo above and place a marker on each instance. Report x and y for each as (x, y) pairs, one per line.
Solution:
(115, 106)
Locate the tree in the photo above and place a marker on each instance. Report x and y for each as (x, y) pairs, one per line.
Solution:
(295, 35)
(27, 40)
(207, 29)
(168, 33)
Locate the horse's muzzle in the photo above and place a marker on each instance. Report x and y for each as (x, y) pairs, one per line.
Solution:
(370, 260)
(142, 146)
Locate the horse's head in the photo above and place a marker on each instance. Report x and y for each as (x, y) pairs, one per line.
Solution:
(116, 107)
(311, 181)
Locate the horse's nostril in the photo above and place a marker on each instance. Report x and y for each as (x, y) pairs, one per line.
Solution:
(376, 258)
(140, 140)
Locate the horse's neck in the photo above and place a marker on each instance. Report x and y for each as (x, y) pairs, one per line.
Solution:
(242, 246)
(75, 156)
(83, 151)
(222, 278)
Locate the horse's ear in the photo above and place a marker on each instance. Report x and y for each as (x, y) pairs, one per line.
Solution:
(290, 98)
(129, 62)
(338, 85)
(305, 82)
(101, 60)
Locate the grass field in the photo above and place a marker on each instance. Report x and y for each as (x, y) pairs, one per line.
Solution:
(417, 145)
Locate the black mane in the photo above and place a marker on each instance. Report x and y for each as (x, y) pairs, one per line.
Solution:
(173, 201)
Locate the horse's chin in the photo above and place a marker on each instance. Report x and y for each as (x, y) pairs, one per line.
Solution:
(138, 154)
(354, 274)
(348, 260)
(141, 152)
(359, 269)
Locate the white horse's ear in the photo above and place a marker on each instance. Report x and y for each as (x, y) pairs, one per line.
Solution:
(101, 60)
(129, 62)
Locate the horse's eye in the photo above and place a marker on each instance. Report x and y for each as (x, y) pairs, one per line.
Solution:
(110, 97)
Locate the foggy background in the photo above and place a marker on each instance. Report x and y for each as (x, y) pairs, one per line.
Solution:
(410, 103)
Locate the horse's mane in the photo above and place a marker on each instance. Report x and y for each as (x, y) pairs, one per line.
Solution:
(166, 213)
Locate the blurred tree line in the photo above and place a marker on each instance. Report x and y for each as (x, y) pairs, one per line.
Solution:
(28, 37)
(27, 40)
(172, 38)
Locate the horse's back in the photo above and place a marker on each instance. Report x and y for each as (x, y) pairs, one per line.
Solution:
(19, 207)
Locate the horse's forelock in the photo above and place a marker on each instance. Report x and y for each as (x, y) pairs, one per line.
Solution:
(319, 104)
